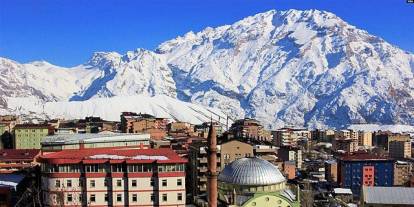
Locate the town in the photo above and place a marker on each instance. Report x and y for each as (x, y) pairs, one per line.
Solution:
(143, 160)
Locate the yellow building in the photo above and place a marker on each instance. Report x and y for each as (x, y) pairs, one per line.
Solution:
(364, 138)
(29, 136)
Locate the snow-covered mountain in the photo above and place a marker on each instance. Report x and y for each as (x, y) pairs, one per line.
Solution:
(282, 67)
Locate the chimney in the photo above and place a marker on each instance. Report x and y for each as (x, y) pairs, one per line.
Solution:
(212, 166)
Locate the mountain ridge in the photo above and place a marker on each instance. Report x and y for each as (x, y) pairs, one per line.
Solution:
(282, 67)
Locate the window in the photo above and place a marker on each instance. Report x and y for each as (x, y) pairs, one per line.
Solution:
(164, 197)
(92, 199)
(119, 197)
(106, 197)
(57, 183)
(92, 184)
(119, 183)
(69, 183)
(69, 198)
(152, 182)
(152, 197)
(164, 183)
(179, 196)
(134, 183)
(134, 198)
(179, 182)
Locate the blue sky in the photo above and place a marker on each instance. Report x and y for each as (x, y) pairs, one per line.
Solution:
(67, 32)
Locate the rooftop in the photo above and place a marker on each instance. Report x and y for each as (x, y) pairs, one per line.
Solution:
(18, 154)
(363, 157)
(388, 195)
(251, 171)
(32, 126)
(102, 155)
(85, 138)
(342, 191)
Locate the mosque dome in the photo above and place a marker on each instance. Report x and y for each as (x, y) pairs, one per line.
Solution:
(251, 171)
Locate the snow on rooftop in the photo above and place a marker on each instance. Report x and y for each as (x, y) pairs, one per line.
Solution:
(119, 157)
(342, 191)
(76, 138)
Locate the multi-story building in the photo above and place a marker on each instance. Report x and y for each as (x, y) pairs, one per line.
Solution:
(289, 169)
(2, 129)
(288, 153)
(345, 145)
(202, 129)
(400, 149)
(14, 160)
(346, 134)
(29, 136)
(9, 121)
(268, 153)
(227, 152)
(402, 173)
(364, 138)
(285, 137)
(233, 150)
(357, 170)
(249, 129)
(326, 135)
(331, 171)
(85, 141)
(113, 177)
(143, 123)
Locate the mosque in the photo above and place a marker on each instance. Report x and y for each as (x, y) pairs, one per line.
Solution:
(247, 182)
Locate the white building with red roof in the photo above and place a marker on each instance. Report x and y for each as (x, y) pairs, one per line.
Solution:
(113, 177)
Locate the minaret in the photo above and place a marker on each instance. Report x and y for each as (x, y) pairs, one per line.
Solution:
(212, 167)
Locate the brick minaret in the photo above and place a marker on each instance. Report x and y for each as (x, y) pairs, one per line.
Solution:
(212, 166)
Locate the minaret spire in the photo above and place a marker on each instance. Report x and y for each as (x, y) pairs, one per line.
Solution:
(212, 166)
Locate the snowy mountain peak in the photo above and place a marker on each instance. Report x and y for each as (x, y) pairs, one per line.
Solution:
(282, 67)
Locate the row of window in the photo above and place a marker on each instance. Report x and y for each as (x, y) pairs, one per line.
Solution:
(92, 197)
(113, 168)
(134, 183)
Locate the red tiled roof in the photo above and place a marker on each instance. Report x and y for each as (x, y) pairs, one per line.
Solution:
(18, 154)
(76, 156)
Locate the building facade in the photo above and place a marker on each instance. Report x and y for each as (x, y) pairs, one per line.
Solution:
(400, 149)
(364, 138)
(287, 153)
(249, 129)
(357, 170)
(14, 160)
(113, 177)
(402, 173)
(29, 136)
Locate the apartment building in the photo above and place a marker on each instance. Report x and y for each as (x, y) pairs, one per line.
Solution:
(402, 173)
(285, 137)
(288, 153)
(364, 138)
(400, 149)
(113, 177)
(249, 129)
(14, 160)
(144, 123)
(29, 136)
(227, 152)
(362, 169)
